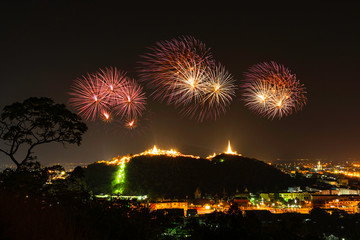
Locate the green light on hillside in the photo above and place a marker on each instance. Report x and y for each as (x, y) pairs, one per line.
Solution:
(221, 160)
(118, 183)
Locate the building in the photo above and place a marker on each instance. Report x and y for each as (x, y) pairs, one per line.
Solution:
(169, 205)
(348, 205)
(300, 196)
(241, 201)
(324, 201)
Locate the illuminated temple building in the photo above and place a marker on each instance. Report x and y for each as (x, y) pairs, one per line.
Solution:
(228, 151)
(159, 152)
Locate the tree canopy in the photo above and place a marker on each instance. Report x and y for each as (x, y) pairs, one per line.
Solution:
(35, 121)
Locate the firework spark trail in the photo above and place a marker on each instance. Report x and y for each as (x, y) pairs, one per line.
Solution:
(271, 90)
(131, 123)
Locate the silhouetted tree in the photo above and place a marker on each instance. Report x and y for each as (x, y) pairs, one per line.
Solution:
(27, 180)
(36, 121)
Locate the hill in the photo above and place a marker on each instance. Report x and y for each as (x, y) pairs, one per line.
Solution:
(168, 176)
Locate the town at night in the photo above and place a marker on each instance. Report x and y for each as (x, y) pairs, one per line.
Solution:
(179, 122)
(332, 187)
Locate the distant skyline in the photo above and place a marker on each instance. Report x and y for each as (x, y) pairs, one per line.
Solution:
(45, 46)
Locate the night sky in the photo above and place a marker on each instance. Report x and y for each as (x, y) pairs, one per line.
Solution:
(45, 46)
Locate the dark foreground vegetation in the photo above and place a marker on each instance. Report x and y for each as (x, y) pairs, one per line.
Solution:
(34, 204)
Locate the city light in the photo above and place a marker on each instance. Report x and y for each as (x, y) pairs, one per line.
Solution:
(119, 180)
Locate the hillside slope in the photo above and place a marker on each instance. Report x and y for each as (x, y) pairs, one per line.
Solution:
(164, 176)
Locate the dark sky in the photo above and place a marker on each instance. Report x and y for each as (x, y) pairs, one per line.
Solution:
(45, 46)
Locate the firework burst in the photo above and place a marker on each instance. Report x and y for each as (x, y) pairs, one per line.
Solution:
(166, 60)
(130, 101)
(89, 97)
(183, 72)
(113, 81)
(107, 94)
(189, 83)
(215, 96)
(271, 90)
(220, 87)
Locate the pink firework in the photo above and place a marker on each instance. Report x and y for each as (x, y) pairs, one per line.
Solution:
(271, 90)
(107, 94)
(114, 81)
(160, 67)
(89, 97)
(131, 100)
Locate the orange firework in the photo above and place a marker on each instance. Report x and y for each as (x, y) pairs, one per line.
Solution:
(183, 72)
(160, 67)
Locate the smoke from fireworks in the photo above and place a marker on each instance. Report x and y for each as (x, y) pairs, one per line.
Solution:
(271, 90)
(183, 72)
(107, 94)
